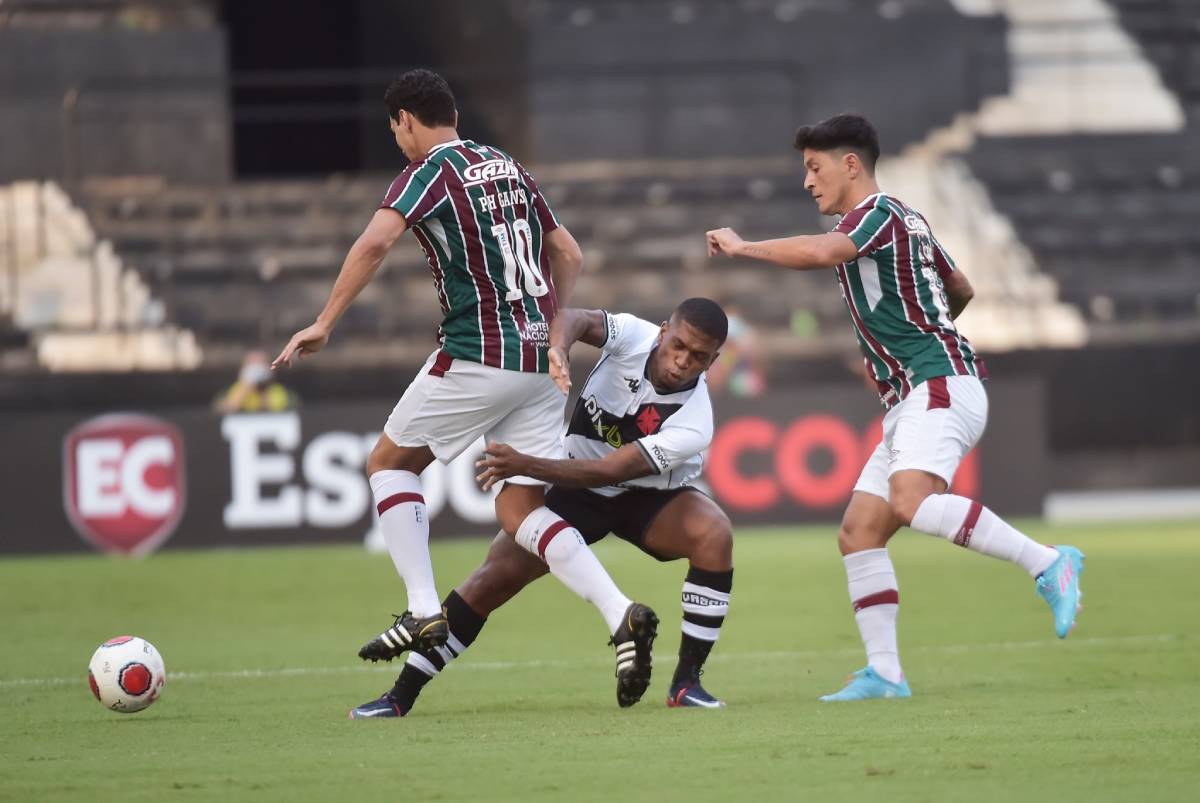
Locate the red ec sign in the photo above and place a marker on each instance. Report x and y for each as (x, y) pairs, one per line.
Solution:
(787, 449)
(123, 481)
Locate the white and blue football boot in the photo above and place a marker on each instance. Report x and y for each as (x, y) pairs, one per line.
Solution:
(867, 684)
(1059, 586)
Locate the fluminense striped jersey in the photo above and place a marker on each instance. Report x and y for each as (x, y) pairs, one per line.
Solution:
(481, 220)
(896, 299)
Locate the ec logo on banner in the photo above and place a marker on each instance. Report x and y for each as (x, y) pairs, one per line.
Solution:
(123, 481)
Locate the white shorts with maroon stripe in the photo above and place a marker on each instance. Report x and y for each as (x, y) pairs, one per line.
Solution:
(931, 430)
(451, 403)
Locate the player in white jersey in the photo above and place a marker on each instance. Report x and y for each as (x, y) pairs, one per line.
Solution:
(635, 444)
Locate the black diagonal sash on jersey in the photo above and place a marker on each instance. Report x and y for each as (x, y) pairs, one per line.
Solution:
(593, 423)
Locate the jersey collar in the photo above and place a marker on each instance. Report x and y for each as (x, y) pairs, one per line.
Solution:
(870, 199)
(441, 145)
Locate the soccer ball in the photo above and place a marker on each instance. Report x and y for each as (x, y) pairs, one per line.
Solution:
(126, 674)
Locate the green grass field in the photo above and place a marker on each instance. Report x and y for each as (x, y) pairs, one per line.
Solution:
(260, 649)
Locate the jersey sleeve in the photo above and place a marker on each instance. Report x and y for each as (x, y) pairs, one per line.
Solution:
(417, 191)
(867, 227)
(685, 434)
(625, 332)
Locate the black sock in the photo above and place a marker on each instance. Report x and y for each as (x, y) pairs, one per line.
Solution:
(424, 665)
(705, 604)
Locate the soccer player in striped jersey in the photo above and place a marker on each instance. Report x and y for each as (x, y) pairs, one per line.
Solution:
(501, 265)
(634, 446)
(903, 292)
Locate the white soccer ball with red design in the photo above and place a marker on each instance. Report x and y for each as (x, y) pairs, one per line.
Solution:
(126, 674)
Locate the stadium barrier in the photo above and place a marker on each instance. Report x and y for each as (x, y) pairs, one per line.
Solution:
(134, 479)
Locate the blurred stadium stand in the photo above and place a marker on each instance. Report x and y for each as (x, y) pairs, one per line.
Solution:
(649, 122)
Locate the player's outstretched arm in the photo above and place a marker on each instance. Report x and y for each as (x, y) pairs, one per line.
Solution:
(502, 461)
(570, 325)
(566, 260)
(805, 252)
(360, 265)
(958, 292)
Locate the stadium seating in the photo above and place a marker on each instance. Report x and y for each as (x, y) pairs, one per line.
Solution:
(1111, 216)
(1169, 33)
(248, 262)
(714, 79)
(253, 261)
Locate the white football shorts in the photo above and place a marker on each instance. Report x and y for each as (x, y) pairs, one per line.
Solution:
(931, 430)
(451, 403)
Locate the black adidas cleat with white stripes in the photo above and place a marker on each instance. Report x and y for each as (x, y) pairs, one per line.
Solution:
(408, 632)
(634, 641)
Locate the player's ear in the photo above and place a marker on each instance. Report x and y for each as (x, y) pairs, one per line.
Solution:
(853, 164)
(713, 360)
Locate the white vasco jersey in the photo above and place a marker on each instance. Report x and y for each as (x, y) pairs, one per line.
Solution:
(619, 405)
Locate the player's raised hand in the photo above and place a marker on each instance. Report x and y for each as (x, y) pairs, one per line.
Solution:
(499, 462)
(723, 241)
(306, 341)
(560, 369)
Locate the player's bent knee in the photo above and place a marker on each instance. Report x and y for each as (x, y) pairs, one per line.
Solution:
(720, 539)
(908, 489)
(853, 538)
(515, 503)
(375, 462)
(857, 534)
(712, 542)
(905, 502)
(387, 456)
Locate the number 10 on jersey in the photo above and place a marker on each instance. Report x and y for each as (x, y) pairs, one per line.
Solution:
(516, 246)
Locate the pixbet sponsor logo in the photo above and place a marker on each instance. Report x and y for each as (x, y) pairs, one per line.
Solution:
(124, 488)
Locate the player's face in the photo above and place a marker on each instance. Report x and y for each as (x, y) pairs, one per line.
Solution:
(684, 352)
(827, 178)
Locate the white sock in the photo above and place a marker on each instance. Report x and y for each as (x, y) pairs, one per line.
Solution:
(970, 524)
(876, 600)
(546, 535)
(405, 525)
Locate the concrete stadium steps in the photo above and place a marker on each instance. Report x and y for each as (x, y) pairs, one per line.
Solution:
(1169, 34)
(1111, 217)
(81, 307)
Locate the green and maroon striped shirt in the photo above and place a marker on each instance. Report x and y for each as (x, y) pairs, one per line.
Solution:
(896, 299)
(481, 221)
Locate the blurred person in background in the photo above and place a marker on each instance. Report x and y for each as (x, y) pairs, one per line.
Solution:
(256, 389)
(741, 368)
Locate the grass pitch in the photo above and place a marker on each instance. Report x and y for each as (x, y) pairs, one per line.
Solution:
(260, 652)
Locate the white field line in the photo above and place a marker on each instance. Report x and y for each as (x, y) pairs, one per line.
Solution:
(720, 657)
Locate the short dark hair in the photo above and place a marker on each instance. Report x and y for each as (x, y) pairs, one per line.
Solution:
(423, 94)
(853, 132)
(706, 315)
